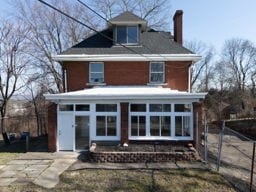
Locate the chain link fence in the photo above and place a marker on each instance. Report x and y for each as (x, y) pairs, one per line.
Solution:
(230, 153)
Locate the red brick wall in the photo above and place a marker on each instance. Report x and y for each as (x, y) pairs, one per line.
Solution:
(52, 127)
(77, 75)
(124, 122)
(127, 73)
(176, 75)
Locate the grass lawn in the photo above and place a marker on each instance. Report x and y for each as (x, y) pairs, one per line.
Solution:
(99, 180)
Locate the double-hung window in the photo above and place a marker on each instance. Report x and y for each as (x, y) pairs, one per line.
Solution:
(157, 72)
(127, 34)
(96, 72)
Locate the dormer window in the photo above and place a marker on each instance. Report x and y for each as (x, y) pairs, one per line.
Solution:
(127, 35)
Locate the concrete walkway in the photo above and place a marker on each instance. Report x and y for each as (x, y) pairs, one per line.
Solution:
(42, 169)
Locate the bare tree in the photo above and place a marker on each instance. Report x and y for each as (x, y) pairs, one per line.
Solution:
(13, 62)
(201, 71)
(239, 56)
(156, 12)
(52, 33)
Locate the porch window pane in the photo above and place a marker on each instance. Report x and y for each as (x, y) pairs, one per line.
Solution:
(155, 125)
(111, 126)
(182, 126)
(106, 107)
(182, 107)
(142, 126)
(160, 108)
(82, 107)
(100, 126)
(138, 107)
(134, 126)
(138, 126)
(66, 108)
(166, 126)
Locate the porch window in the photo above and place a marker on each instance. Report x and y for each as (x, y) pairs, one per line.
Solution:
(182, 126)
(160, 126)
(157, 72)
(106, 126)
(182, 120)
(106, 120)
(138, 126)
(161, 121)
(96, 72)
(127, 34)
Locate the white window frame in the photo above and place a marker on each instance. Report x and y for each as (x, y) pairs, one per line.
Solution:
(172, 116)
(163, 72)
(126, 27)
(116, 114)
(90, 72)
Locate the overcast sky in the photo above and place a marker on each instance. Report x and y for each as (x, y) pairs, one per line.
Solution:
(210, 21)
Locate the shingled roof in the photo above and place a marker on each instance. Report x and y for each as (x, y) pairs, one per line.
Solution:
(151, 41)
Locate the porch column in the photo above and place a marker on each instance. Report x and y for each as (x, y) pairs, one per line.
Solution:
(124, 122)
(52, 127)
(197, 109)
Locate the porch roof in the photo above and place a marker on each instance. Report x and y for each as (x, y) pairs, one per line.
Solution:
(125, 93)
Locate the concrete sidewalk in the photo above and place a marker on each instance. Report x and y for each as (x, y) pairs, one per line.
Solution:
(42, 169)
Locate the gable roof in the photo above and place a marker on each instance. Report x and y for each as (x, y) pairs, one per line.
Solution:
(127, 17)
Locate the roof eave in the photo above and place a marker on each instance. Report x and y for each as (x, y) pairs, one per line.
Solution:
(62, 97)
(128, 57)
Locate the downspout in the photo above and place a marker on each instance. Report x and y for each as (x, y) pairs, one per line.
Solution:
(65, 81)
(64, 78)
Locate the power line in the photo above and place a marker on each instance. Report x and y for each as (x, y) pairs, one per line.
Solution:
(96, 31)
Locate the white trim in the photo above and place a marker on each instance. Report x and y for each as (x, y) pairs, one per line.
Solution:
(127, 57)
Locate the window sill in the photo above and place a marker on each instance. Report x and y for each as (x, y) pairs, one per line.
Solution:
(96, 84)
(157, 84)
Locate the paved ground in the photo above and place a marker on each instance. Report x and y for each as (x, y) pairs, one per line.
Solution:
(41, 168)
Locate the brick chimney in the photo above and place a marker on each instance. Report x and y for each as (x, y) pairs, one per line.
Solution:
(177, 25)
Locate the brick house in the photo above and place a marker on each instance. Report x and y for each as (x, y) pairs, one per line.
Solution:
(128, 83)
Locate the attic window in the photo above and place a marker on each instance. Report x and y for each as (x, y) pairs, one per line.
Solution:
(127, 34)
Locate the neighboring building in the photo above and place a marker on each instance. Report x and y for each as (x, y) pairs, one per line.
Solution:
(128, 83)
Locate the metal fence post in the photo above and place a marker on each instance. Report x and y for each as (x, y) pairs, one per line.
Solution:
(252, 168)
(205, 140)
(220, 145)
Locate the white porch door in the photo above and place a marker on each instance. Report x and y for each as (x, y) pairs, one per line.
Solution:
(66, 131)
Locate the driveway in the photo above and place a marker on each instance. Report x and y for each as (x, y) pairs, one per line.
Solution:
(236, 158)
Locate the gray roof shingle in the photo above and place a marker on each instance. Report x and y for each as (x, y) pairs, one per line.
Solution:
(151, 42)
